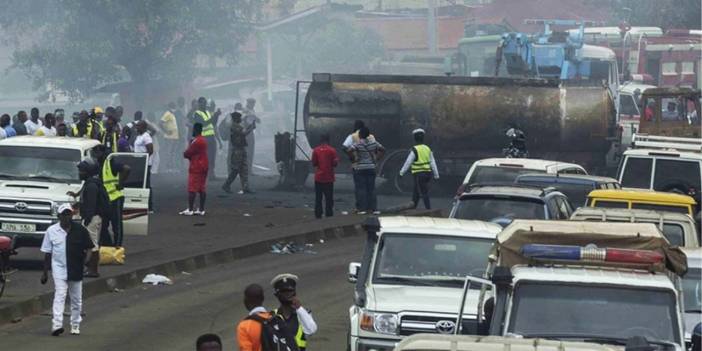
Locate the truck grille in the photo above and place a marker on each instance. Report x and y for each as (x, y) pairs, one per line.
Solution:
(413, 324)
(22, 208)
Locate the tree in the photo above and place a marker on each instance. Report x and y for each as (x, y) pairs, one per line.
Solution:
(667, 14)
(76, 46)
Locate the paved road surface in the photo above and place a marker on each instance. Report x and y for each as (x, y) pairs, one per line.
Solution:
(209, 300)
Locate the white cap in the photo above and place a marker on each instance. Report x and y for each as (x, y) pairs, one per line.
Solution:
(418, 131)
(65, 206)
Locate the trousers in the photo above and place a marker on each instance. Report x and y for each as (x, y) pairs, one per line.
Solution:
(326, 191)
(211, 155)
(74, 290)
(366, 190)
(114, 221)
(421, 189)
(238, 167)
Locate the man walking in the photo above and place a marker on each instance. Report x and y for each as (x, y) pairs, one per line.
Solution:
(238, 164)
(298, 320)
(64, 246)
(203, 116)
(365, 154)
(423, 166)
(324, 159)
(348, 142)
(197, 172)
(94, 210)
(145, 144)
(248, 331)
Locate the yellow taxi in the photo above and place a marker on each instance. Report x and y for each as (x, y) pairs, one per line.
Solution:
(642, 199)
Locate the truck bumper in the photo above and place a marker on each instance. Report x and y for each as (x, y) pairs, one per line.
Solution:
(365, 344)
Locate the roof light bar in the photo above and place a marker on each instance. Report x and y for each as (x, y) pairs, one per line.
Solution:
(590, 254)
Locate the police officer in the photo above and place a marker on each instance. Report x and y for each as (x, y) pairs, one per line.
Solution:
(238, 164)
(298, 320)
(423, 166)
(204, 117)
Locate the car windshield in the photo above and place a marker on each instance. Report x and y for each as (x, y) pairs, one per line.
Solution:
(598, 312)
(45, 164)
(429, 259)
(692, 290)
(488, 208)
(498, 175)
(576, 193)
(674, 233)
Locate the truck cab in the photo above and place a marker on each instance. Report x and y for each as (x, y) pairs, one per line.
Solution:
(606, 283)
(37, 173)
(411, 278)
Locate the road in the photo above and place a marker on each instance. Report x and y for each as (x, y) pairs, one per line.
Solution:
(208, 300)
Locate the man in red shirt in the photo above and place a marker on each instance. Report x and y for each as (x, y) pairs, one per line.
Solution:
(324, 159)
(197, 173)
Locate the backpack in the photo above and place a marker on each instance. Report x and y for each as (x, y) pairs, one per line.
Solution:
(274, 334)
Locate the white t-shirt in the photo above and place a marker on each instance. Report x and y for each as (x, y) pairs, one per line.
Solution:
(3, 134)
(31, 127)
(43, 131)
(140, 144)
(55, 243)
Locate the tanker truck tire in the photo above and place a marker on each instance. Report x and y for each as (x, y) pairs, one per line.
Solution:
(390, 170)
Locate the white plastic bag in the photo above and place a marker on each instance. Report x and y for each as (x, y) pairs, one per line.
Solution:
(156, 279)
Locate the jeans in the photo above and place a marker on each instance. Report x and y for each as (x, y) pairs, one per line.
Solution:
(115, 222)
(211, 156)
(74, 289)
(325, 190)
(421, 189)
(366, 190)
(356, 189)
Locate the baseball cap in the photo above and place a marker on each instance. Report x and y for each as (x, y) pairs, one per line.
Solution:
(65, 207)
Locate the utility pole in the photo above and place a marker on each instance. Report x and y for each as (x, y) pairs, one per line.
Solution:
(431, 27)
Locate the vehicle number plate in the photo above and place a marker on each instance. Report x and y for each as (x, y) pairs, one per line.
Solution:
(19, 227)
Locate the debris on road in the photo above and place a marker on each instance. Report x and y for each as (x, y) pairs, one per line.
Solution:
(247, 215)
(156, 279)
(282, 248)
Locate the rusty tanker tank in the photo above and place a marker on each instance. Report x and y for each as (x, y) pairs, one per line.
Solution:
(465, 117)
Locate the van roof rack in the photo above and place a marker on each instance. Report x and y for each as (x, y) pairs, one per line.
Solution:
(666, 143)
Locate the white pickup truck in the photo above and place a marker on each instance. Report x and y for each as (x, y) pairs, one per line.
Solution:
(606, 283)
(411, 278)
(36, 174)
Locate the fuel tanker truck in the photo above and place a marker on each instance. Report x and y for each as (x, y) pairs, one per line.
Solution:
(465, 118)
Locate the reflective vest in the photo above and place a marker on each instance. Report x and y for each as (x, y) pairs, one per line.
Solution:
(88, 130)
(422, 160)
(300, 339)
(110, 181)
(113, 145)
(207, 127)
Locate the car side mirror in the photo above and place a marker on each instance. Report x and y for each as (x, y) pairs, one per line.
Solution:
(354, 268)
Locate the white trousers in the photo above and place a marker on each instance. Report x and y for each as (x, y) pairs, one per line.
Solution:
(75, 293)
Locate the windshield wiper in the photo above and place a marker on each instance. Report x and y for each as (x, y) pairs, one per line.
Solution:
(396, 279)
(51, 179)
(8, 176)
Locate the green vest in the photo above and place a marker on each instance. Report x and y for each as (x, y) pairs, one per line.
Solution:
(113, 147)
(207, 128)
(88, 130)
(422, 162)
(109, 181)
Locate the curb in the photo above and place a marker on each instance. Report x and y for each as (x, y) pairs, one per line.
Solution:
(40, 303)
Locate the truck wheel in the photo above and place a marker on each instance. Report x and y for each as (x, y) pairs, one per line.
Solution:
(390, 170)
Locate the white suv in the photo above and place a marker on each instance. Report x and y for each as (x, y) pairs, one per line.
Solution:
(36, 174)
(411, 278)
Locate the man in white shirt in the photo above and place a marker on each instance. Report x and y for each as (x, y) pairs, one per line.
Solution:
(297, 318)
(48, 128)
(3, 134)
(33, 123)
(65, 246)
(145, 144)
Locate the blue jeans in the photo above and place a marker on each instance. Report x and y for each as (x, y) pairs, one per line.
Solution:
(365, 189)
(356, 189)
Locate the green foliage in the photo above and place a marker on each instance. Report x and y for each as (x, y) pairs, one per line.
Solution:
(330, 46)
(78, 45)
(667, 14)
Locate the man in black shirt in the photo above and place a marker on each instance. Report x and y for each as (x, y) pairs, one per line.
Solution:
(65, 246)
(94, 209)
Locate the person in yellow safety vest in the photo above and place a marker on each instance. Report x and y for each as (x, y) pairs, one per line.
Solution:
(204, 117)
(422, 164)
(111, 135)
(85, 128)
(113, 175)
(297, 318)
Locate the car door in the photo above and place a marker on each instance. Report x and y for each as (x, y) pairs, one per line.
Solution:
(135, 216)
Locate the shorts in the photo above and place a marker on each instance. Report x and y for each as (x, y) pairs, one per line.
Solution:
(197, 182)
(94, 228)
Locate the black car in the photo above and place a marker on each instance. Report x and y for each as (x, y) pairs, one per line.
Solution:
(503, 203)
(574, 186)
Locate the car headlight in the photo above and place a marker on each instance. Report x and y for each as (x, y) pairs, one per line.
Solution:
(383, 323)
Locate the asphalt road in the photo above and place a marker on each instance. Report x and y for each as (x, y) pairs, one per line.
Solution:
(208, 300)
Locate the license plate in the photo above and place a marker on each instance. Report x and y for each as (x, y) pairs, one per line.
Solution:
(19, 227)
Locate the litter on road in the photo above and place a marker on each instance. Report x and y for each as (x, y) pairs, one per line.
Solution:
(156, 279)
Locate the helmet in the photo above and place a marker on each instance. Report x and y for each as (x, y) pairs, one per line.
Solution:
(98, 109)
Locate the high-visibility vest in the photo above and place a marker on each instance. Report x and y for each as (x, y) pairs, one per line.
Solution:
(422, 161)
(88, 130)
(113, 147)
(300, 338)
(207, 128)
(110, 181)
